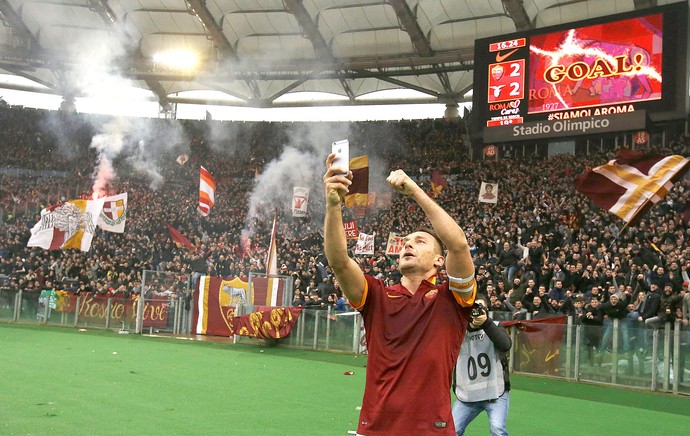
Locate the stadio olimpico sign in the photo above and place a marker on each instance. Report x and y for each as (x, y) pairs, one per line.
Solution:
(556, 127)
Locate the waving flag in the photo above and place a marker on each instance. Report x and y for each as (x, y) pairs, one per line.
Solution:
(359, 189)
(114, 213)
(272, 255)
(68, 225)
(438, 182)
(179, 239)
(632, 183)
(207, 190)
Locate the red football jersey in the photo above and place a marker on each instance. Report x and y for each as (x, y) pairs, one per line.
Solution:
(413, 343)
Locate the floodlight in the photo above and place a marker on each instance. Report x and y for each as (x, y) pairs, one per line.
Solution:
(177, 59)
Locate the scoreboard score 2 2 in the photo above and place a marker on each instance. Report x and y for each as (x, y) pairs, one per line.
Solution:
(582, 78)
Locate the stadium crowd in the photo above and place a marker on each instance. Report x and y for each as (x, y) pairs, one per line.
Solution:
(542, 249)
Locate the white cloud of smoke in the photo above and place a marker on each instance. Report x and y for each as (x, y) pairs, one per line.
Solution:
(94, 74)
(302, 163)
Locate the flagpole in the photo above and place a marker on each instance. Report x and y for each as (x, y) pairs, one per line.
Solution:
(272, 260)
(618, 234)
(627, 223)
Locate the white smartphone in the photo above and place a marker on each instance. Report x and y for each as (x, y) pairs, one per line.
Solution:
(342, 155)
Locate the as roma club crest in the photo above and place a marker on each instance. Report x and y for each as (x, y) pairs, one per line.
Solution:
(497, 72)
(431, 294)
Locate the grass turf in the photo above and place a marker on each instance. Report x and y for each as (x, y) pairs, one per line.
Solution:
(61, 381)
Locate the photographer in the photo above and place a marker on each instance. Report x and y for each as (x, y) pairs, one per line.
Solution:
(481, 380)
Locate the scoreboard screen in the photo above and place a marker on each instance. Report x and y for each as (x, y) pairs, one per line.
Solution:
(582, 78)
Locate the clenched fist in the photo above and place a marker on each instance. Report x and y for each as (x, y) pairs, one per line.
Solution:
(401, 182)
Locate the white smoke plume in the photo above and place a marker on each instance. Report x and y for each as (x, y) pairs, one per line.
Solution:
(108, 146)
(294, 167)
(141, 141)
(303, 163)
(93, 78)
(228, 139)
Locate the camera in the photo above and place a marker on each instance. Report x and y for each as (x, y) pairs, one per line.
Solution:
(477, 310)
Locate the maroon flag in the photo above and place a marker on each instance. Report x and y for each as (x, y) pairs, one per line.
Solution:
(179, 239)
(438, 182)
(632, 183)
(358, 192)
(538, 344)
(266, 322)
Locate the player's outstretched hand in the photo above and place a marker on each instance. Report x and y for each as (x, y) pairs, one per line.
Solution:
(336, 185)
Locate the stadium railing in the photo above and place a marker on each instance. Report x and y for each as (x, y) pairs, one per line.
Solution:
(619, 354)
(141, 315)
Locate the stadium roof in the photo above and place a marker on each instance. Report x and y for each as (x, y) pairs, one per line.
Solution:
(263, 53)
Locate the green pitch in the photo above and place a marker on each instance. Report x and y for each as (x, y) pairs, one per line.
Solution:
(61, 381)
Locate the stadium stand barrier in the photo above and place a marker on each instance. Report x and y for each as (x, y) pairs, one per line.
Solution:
(643, 359)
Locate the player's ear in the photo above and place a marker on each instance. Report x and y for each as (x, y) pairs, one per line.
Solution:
(440, 260)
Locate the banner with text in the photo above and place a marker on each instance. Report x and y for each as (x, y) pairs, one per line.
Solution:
(351, 231)
(394, 245)
(570, 123)
(93, 308)
(365, 244)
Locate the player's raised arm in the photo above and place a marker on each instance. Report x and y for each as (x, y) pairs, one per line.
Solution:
(458, 259)
(349, 275)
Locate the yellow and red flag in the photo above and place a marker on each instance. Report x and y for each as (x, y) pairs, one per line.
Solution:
(359, 189)
(632, 183)
(438, 182)
(179, 239)
(67, 225)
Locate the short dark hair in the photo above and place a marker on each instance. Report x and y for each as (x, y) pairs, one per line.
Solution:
(433, 233)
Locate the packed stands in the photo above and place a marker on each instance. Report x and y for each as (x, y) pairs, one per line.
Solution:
(556, 233)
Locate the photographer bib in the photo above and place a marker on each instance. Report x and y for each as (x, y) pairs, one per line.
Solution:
(478, 369)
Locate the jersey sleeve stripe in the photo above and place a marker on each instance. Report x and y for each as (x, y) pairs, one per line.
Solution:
(358, 305)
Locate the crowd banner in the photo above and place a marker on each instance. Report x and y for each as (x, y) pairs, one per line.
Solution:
(266, 322)
(488, 193)
(300, 200)
(394, 245)
(94, 308)
(216, 300)
(538, 344)
(113, 216)
(351, 232)
(365, 244)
